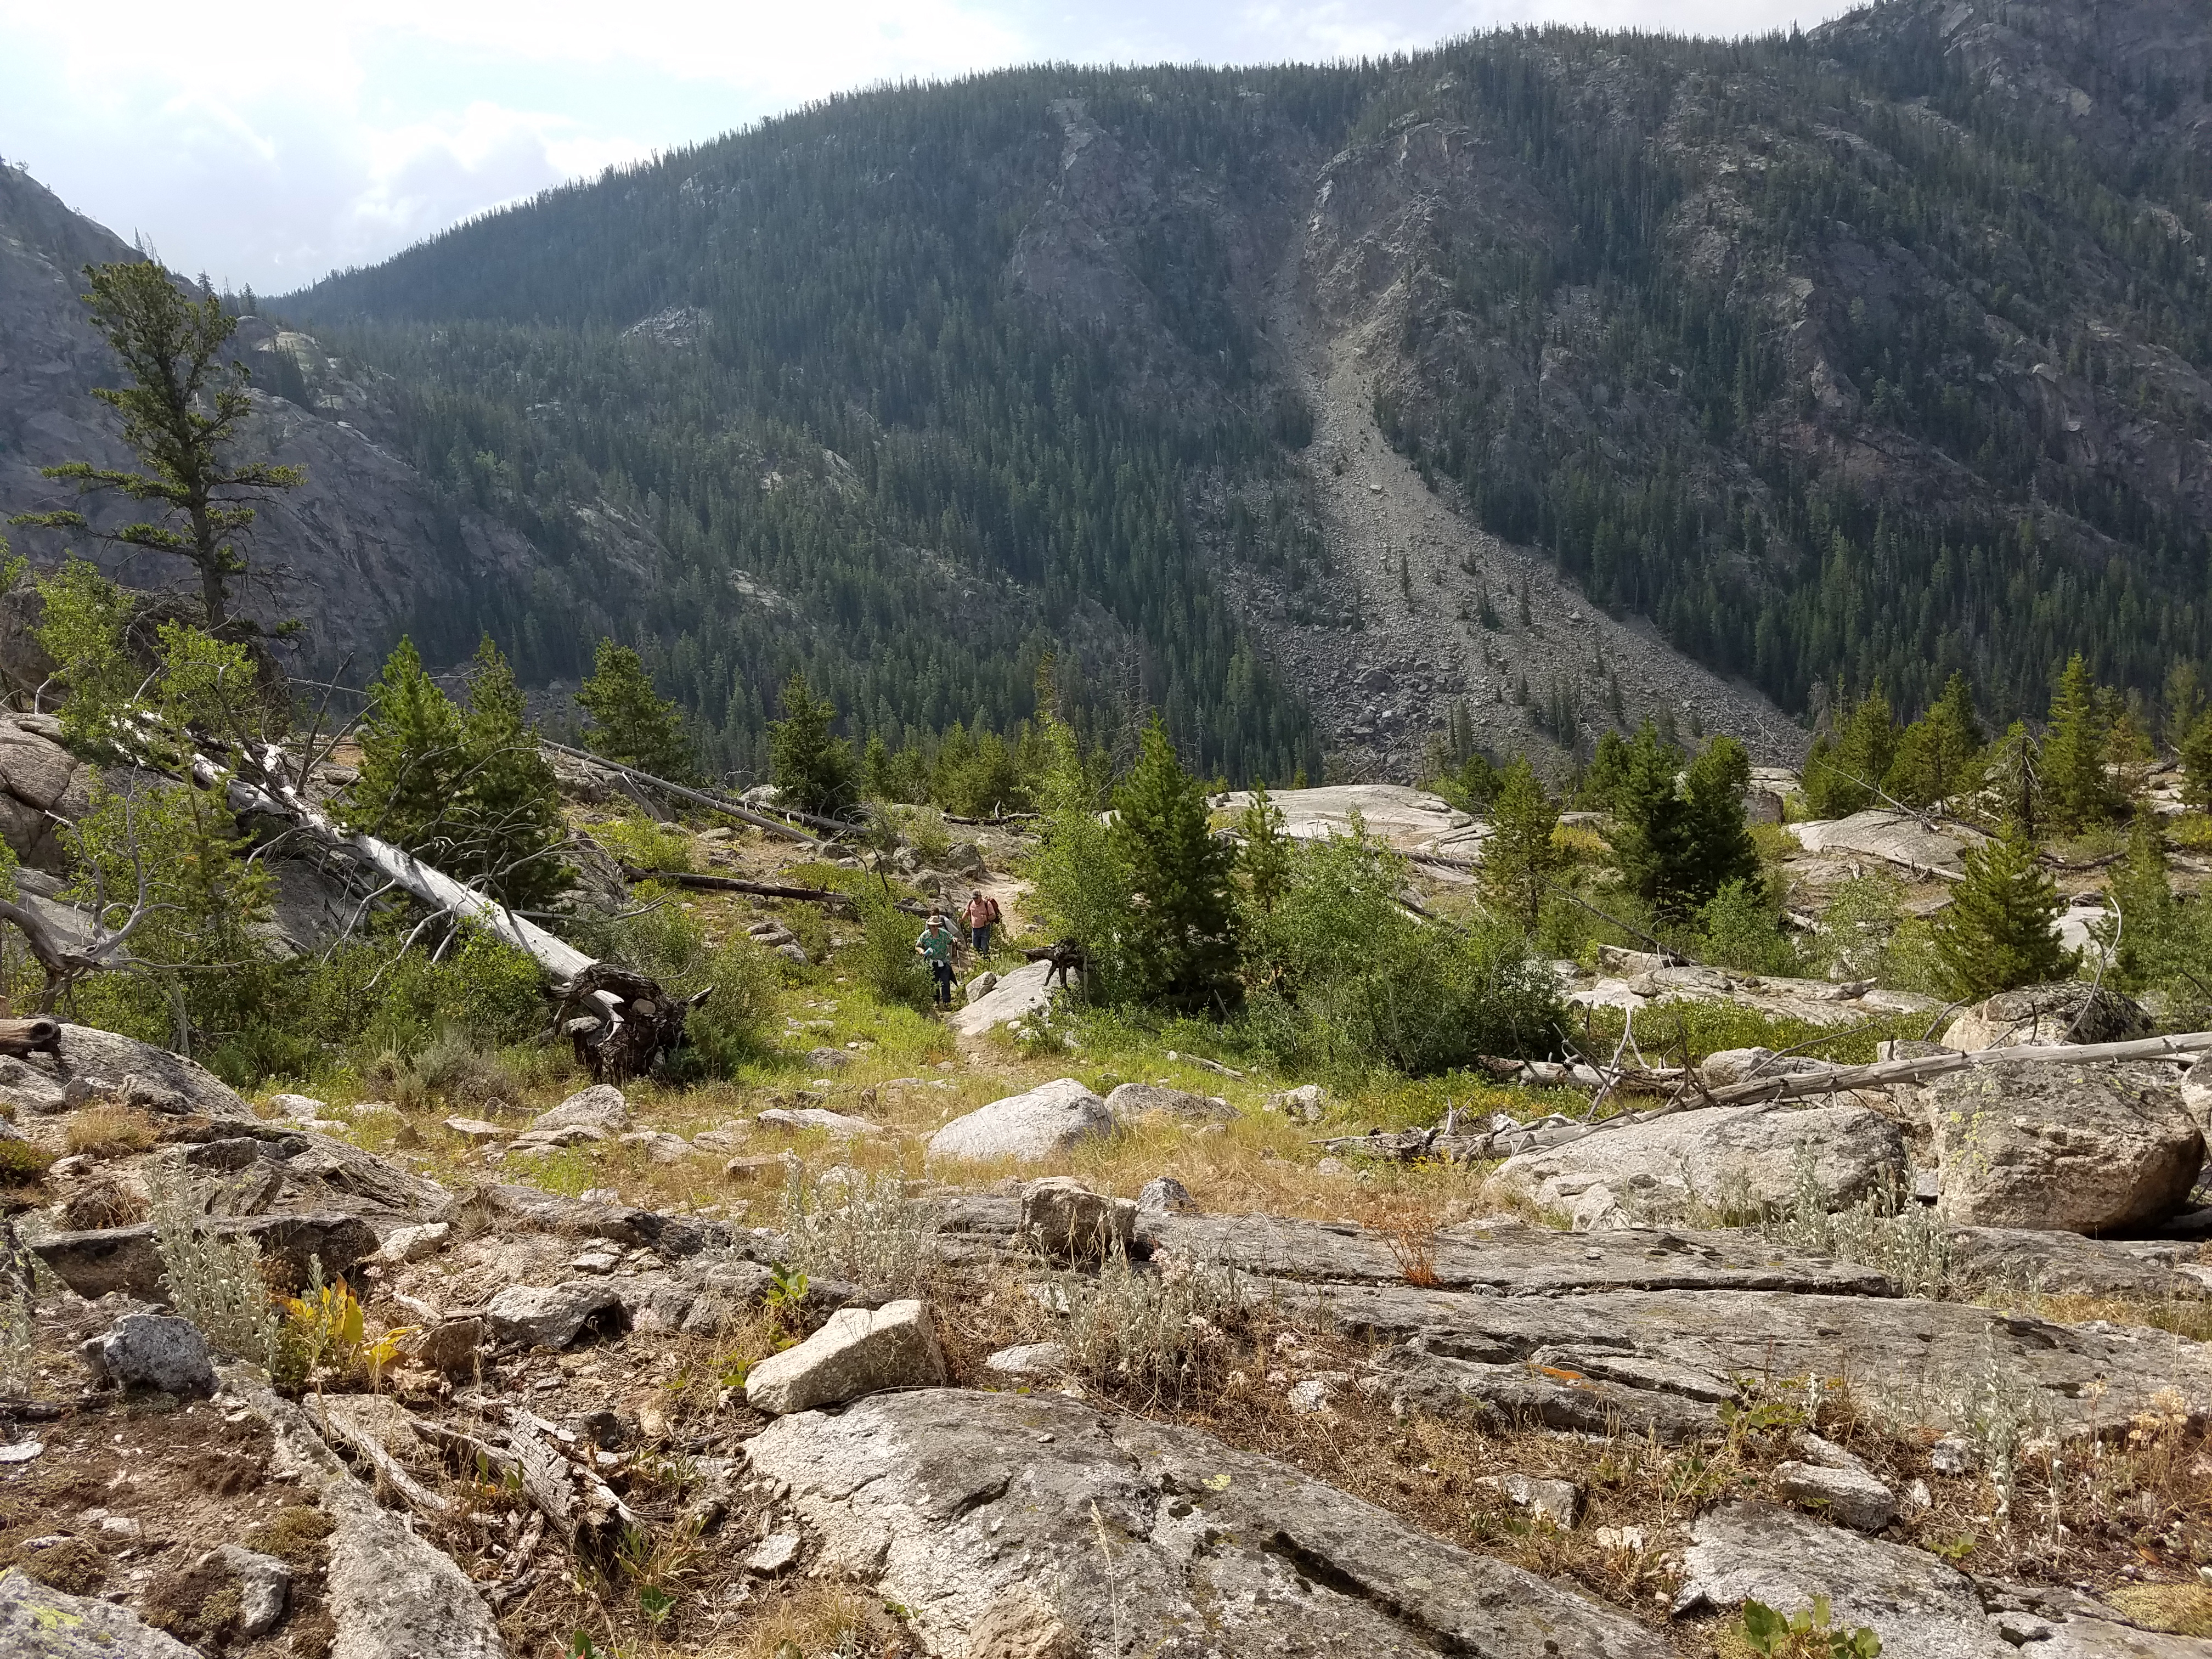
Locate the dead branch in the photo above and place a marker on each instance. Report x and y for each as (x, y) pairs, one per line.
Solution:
(717, 803)
(1887, 1073)
(360, 1440)
(582, 1508)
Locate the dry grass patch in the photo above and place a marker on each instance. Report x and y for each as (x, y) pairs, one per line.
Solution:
(111, 1131)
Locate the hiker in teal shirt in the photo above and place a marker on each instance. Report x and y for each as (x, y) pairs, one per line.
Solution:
(935, 947)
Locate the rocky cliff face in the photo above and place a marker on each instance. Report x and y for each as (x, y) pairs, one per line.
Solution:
(365, 550)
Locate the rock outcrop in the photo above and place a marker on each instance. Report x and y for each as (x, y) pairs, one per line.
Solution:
(857, 1353)
(948, 1503)
(1736, 1162)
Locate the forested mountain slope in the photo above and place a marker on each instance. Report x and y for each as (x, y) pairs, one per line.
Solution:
(365, 548)
(1871, 353)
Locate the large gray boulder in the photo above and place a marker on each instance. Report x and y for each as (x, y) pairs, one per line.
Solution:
(1065, 1218)
(39, 1622)
(142, 1074)
(2082, 1149)
(949, 1502)
(107, 1259)
(1015, 997)
(1731, 1161)
(2048, 1016)
(1916, 1605)
(602, 1108)
(858, 1353)
(1047, 1121)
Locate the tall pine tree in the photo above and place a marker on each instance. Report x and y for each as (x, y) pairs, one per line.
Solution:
(631, 722)
(1178, 945)
(1518, 858)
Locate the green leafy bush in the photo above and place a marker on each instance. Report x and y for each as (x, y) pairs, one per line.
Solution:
(1343, 977)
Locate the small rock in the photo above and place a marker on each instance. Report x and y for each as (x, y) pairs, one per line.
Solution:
(1558, 1501)
(415, 1243)
(475, 1129)
(1332, 1165)
(452, 1347)
(1918, 1496)
(596, 1261)
(299, 1109)
(122, 1528)
(1620, 1538)
(1952, 1454)
(147, 1350)
(659, 1146)
(779, 1164)
(1304, 1104)
(1165, 1195)
(1850, 1496)
(773, 1553)
(1309, 1397)
(1029, 1359)
(264, 1584)
(791, 951)
(1131, 1100)
(551, 1317)
(23, 1451)
(1067, 1220)
(828, 1059)
(857, 1353)
(601, 1107)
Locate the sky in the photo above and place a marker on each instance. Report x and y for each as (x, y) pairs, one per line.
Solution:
(266, 144)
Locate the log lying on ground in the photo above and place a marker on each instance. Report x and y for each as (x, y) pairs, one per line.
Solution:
(1412, 1144)
(1558, 1074)
(620, 1022)
(830, 897)
(1885, 1073)
(708, 798)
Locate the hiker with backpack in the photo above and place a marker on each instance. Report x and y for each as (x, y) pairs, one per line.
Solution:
(981, 916)
(935, 946)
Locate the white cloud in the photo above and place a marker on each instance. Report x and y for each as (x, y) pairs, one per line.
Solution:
(269, 142)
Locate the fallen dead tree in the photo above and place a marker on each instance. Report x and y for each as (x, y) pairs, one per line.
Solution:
(619, 1021)
(712, 800)
(829, 897)
(1884, 1074)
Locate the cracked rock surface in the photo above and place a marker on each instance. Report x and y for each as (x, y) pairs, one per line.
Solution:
(1007, 1524)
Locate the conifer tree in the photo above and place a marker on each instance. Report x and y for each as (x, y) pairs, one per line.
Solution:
(507, 824)
(1651, 832)
(2196, 763)
(181, 408)
(411, 756)
(2015, 776)
(1935, 756)
(631, 722)
(1264, 859)
(2143, 896)
(809, 763)
(1519, 858)
(1719, 848)
(1999, 929)
(1842, 774)
(1178, 943)
(2076, 794)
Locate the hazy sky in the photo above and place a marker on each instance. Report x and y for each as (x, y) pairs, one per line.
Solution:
(268, 143)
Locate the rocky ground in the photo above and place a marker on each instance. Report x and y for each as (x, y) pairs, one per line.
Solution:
(1009, 1335)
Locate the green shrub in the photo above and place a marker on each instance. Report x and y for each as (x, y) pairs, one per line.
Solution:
(1343, 977)
(642, 844)
(1742, 928)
